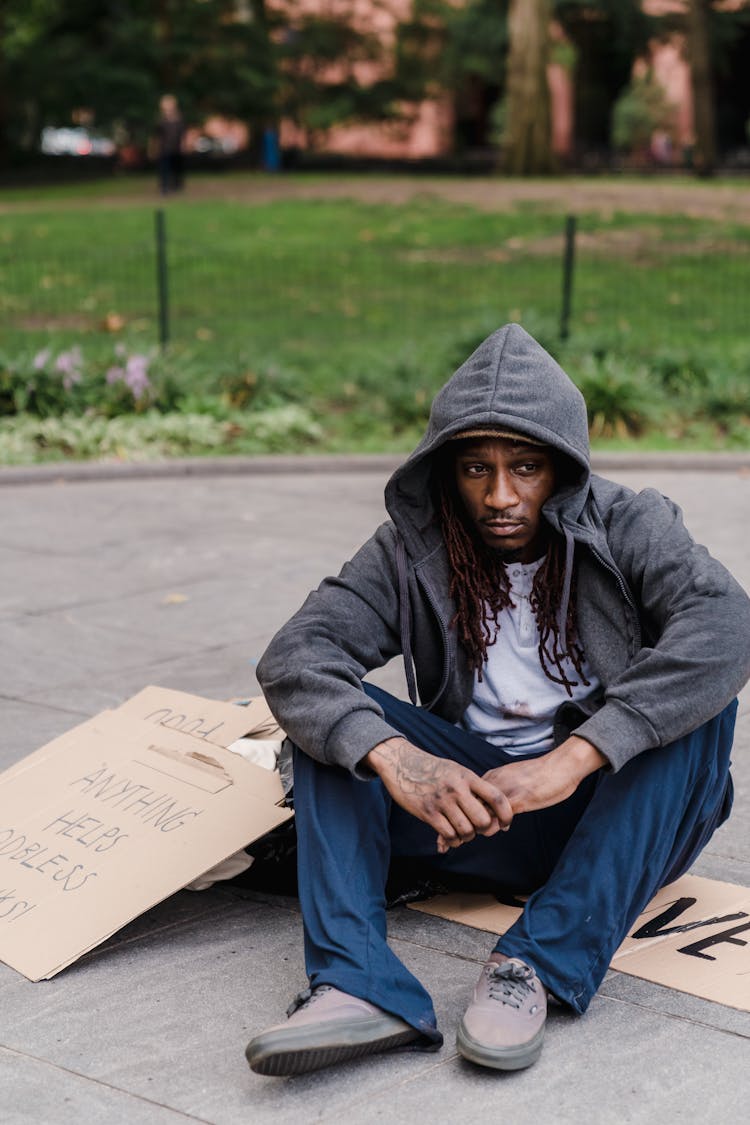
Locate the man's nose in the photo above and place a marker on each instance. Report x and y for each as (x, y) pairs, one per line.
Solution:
(501, 492)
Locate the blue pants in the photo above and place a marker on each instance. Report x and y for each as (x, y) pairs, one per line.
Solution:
(593, 862)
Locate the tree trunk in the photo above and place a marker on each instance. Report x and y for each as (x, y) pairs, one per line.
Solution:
(528, 134)
(701, 80)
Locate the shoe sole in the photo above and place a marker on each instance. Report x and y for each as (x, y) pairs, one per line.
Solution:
(499, 1058)
(285, 1052)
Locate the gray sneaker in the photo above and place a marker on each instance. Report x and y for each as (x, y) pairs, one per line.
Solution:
(503, 1027)
(326, 1026)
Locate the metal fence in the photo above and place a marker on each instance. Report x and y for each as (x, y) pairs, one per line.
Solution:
(171, 282)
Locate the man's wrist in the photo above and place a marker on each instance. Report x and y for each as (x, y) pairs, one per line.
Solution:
(381, 756)
(582, 756)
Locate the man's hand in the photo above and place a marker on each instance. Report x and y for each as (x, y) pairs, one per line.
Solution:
(457, 803)
(540, 782)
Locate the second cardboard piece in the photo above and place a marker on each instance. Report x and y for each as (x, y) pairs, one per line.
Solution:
(119, 813)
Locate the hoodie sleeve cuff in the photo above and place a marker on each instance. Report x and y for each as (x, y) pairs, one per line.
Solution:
(619, 732)
(354, 736)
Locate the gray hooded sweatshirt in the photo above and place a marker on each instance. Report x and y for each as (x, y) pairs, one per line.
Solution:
(665, 628)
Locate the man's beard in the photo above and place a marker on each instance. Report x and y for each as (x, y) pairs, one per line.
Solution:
(506, 554)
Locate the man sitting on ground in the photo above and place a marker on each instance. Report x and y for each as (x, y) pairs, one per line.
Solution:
(576, 655)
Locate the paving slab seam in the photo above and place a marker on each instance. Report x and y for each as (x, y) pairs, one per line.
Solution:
(88, 603)
(239, 894)
(722, 855)
(114, 945)
(110, 627)
(346, 1110)
(672, 1015)
(448, 953)
(47, 706)
(39, 552)
(104, 1085)
(125, 669)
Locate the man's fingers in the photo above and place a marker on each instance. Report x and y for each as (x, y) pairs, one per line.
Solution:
(460, 828)
(475, 807)
(445, 831)
(483, 818)
(495, 800)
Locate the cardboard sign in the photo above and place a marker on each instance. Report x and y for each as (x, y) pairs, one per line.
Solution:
(219, 723)
(694, 936)
(120, 812)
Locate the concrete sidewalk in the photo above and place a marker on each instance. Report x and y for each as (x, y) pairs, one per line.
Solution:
(151, 1027)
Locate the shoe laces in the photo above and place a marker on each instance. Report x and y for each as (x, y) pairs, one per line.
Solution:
(307, 997)
(510, 983)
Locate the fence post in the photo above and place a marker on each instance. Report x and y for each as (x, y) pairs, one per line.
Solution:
(568, 266)
(162, 278)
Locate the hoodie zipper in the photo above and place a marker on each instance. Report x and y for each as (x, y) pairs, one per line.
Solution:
(627, 598)
(446, 646)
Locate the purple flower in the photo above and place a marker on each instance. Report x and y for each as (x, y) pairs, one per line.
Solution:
(68, 363)
(114, 374)
(136, 375)
(41, 359)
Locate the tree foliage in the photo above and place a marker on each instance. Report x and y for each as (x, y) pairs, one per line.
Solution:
(608, 35)
(115, 57)
(327, 66)
(458, 51)
(463, 50)
(442, 45)
(235, 57)
(639, 111)
(326, 69)
(716, 40)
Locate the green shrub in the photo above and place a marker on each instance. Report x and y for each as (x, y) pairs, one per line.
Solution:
(677, 371)
(727, 403)
(148, 436)
(617, 397)
(242, 385)
(281, 429)
(374, 399)
(639, 111)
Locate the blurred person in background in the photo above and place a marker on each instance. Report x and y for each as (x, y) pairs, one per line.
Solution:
(170, 134)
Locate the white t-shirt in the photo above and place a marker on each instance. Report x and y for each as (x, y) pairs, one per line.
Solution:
(515, 704)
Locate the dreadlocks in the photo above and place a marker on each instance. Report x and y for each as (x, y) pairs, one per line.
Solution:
(481, 591)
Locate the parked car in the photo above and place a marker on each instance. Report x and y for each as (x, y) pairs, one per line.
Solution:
(75, 141)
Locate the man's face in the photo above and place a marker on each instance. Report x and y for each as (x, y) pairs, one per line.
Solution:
(503, 485)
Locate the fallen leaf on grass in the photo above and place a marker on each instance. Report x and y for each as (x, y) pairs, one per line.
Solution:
(113, 322)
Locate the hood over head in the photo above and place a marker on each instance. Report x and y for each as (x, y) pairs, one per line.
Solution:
(509, 384)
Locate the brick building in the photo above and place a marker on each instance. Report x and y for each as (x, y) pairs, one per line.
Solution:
(430, 128)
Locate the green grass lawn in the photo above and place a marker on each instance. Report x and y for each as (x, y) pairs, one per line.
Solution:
(358, 311)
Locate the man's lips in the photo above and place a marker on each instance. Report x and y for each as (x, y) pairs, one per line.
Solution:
(504, 527)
